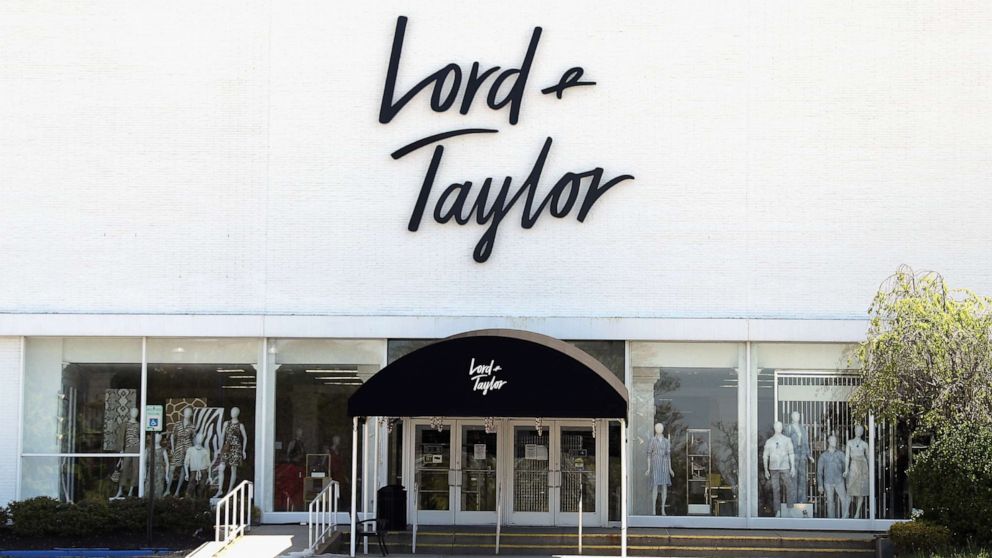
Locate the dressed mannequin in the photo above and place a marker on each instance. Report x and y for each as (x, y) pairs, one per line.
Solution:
(780, 467)
(128, 441)
(296, 449)
(161, 481)
(799, 435)
(830, 472)
(196, 468)
(659, 461)
(857, 469)
(234, 452)
(180, 441)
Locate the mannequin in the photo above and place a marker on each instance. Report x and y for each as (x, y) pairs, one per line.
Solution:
(181, 440)
(296, 449)
(660, 460)
(799, 435)
(234, 452)
(161, 481)
(856, 472)
(780, 467)
(196, 468)
(128, 441)
(830, 472)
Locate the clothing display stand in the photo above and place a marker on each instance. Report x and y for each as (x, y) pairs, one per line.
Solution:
(318, 476)
(698, 466)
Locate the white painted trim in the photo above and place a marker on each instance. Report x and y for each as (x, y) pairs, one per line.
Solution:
(431, 327)
(141, 410)
(20, 423)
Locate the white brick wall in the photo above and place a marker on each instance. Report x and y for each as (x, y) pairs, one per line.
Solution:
(227, 158)
(10, 414)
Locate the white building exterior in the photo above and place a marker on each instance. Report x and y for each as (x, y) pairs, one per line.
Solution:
(220, 171)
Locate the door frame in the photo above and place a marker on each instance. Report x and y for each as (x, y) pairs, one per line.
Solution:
(554, 516)
(451, 516)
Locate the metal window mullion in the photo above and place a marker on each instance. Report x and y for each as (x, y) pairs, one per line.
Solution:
(745, 496)
(141, 411)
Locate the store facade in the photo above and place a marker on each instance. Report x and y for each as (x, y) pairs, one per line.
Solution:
(245, 223)
(717, 401)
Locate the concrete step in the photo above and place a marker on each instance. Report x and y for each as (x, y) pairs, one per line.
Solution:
(641, 542)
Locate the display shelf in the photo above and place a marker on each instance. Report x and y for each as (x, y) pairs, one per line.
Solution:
(698, 467)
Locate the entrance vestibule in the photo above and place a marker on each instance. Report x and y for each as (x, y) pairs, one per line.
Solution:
(517, 471)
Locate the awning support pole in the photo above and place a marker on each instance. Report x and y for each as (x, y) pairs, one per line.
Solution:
(623, 487)
(354, 476)
(375, 474)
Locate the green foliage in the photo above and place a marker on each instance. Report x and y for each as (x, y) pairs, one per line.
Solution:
(46, 517)
(36, 517)
(919, 536)
(927, 357)
(952, 482)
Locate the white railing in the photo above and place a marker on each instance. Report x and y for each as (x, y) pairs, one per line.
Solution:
(233, 513)
(416, 515)
(499, 512)
(322, 515)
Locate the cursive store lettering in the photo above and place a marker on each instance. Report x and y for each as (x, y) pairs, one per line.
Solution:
(461, 200)
(487, 202)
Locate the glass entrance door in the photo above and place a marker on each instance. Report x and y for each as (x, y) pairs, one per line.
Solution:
(433, 477)
(554, 472)
(455, 473)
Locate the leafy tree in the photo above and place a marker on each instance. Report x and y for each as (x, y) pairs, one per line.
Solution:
(927, 357)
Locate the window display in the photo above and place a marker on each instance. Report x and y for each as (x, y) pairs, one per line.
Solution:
(807, 387)
(312, 431)
(81, 397)
(684, 428)
(208, 389)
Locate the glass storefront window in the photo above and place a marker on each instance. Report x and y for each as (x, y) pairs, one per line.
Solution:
(80, 396)
(684, 428)
(207, 387)
(312, 437)
(812, 454)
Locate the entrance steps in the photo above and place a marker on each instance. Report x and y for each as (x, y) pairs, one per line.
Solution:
(546, 541)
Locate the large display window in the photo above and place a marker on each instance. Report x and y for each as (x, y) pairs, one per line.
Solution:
(684, 437)
(80, 424)
(814, 458)
(312, 432)
(208, 389)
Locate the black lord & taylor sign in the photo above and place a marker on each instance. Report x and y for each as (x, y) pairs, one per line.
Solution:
(453, 203)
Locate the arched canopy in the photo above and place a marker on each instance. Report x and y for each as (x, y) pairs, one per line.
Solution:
(493, 373)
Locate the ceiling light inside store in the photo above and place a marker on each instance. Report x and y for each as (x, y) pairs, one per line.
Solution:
(238, 387)
(332, 371)
(235, 370)
(241, 377)
(343, 383)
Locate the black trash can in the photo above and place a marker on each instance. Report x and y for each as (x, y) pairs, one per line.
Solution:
(392, 507)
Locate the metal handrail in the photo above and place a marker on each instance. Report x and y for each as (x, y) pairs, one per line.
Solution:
(322, 515)
(499, 511)
(237, 506)
(416, 515)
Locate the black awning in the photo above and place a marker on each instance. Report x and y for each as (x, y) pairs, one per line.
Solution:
(493, 373)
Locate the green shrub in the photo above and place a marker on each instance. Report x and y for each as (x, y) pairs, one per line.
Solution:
(4, 518)
(46, 517)
(183, 515)
(84, 519)
(952, 483)
(35, 517)
(919, 536)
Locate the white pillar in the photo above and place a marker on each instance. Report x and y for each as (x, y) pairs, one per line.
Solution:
(375, 471)
(623, 487)
(354, 486)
